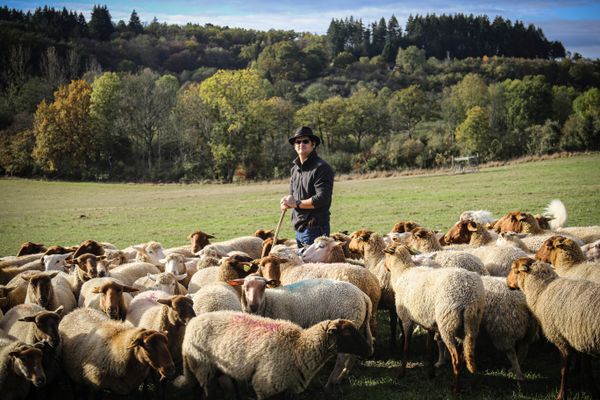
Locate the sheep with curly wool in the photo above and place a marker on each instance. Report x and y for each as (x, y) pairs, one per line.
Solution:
(566, 309)
(308, 302)
(447, 300)
(275, 356)
(163, 313)
(111, 355)
(277, 267)
(250, 245)
(568, 260)
(20, 366)
(497, 259)
(216, 296)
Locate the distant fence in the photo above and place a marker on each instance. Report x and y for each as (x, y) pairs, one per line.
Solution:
(462, 165)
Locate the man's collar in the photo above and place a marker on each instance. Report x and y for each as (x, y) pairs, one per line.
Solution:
(311, 157)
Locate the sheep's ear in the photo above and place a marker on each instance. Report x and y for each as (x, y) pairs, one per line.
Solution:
(59, 310)
(166, 302)
(472, 226)
(30, 318)
(100, 258)
(390, 249)
(521, 217)
(97, 289)
(52, 274)
(44, 260)
(413, 251)
(273, 283)
(209, 236)
(129, 289)
(235, 282)
(180, 277)
(137, 341)
(163, 261)
(7, 289)
(26, 277)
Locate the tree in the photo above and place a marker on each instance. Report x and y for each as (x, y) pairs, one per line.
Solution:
(406, 108)
(410, 60)
(562, 102)
(101, 26)
(362, 117)
(229, 94)
(473, 133)
(134, 25)
(529, 102)
(65, 143)
(282, 60)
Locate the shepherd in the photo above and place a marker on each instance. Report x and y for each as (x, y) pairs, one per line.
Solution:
(311, 189)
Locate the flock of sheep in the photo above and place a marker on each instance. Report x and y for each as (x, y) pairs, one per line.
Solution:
(199, 318)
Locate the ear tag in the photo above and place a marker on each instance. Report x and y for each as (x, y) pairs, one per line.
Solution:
(247, 268)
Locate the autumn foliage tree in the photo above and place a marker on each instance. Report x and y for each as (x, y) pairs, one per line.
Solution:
(64, 138)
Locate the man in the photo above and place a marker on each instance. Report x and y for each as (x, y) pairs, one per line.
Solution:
(311, 187)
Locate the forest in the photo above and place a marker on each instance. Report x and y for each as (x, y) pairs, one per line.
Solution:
(101, 100)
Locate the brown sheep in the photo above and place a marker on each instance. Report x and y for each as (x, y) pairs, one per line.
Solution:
(199, 240)
(89, 246)
(30, 248)
(268, 245)
(20, 365)
(568, 259)
(324, 249)
(264, 234)
(49, 290)
(405, 226)
(107, 295)
(30, 323)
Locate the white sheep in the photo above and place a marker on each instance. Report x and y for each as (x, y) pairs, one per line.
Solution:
(176, 264)
(567, 309)
(164, 281)
(482, 217)
(568, 259)
(203, 277)
(512, 239)
(216, 296)
(308, 302)
(130, 272)
(250, 245)
(497, 259)
(111, 355)
(447, 300)
(274, 355)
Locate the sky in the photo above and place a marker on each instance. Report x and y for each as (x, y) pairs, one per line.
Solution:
(576, 23)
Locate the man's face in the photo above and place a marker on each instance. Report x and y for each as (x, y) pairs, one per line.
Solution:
(303, 146)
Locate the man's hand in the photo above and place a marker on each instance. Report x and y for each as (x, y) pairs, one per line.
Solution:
(287, 202)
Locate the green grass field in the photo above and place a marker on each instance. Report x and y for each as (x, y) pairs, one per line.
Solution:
(124, 214)
(67, 213)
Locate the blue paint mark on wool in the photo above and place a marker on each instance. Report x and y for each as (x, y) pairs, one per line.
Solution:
(306, 284)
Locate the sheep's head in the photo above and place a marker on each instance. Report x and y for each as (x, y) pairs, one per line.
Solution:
(151, 348)
(89, 246)
(27, 363)
(56, 262)
(423, 239)
(233, 267)
(46, 323)
(346, 338)
(174, 263)
(39, 289)
(89, 266)
(267, 246)
(523, 267)
(30, 248)
(405, 226)
(151, 252)
(182, 309)
(59, 250)
(199, 240)
(457, 234)
(398, 252)
(166, 281)
(358, 241)
(560, 250)
(270, 268)
(111, 299)
(543, 220)
(324, 249)
(264, 234)
(253, 292)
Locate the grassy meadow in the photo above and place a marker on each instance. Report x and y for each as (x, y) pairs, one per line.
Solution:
(67, 213)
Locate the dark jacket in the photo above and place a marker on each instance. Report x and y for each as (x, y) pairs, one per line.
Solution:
(313, 179)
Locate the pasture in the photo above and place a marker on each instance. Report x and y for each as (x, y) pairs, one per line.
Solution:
(67, 213)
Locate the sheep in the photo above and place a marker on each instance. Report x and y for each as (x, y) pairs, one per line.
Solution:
(278, 268)
(128, 273)
(110, 355)
(163, 313)
(423, 240)
(324, 249)
(268, 244)
(108, 296)
(497, 259)
(482, 217)
(566, 309)
(370, 245)
(592, 251)
(164, 281)
(469, 232)
(308, 302)
(447, 300)
(89, 246)
(250, 245)
(20, 365)
(264, 233)
(31, 248)
(150, 252)
(176, 264)
(456, 259)
(203, 277)
(344, 238)
(512, 239)
(568, 259)
(50, 290)
(275, 356)
(216, 296)
(199, 240)
(87, 266)
(30, 323)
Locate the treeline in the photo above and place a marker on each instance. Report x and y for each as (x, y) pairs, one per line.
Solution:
(102, 101)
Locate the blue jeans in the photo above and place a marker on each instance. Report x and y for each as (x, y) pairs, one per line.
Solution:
(309, 235)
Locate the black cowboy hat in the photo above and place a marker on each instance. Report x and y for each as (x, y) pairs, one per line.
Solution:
(305, 131)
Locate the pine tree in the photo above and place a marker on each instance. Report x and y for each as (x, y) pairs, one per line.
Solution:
(134, 25)
(100, 25)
